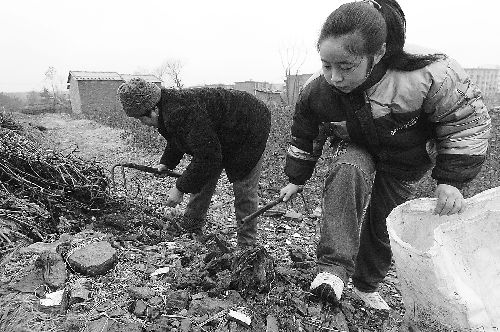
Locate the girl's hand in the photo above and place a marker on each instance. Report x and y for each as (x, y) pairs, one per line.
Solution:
(289, 191)
(175, 197)
(449, 200)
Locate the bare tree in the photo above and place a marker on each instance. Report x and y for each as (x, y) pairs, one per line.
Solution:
(50, 75)
(174, 71)
(292, 58)
(170, 69)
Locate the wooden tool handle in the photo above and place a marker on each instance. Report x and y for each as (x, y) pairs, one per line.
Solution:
(262, 210)
(266, 207)
(149, 169)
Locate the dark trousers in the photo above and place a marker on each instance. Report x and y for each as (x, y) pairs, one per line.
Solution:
(356, 201)
(246, 201)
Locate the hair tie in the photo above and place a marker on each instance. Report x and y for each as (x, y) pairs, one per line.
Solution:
(374, 3)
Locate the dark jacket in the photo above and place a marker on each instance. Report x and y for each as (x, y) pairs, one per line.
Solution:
(404, 119)
(219, 128)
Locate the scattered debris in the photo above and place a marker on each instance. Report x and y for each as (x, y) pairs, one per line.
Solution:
(31, 282)
(56, 302)
(162, 270)
(78, 291)
(93, 259)
(53, 268)
(252, 271)
(292, 214)
(142, 293)
(272, 324)
(239, 317)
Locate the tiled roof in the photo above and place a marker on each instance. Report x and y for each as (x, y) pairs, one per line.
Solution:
(107, 76)
(149, 78)
(94, 76)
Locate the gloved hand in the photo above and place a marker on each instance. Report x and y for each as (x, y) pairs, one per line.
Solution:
(161, 167)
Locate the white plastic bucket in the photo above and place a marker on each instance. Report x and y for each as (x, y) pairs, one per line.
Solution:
(449, 266)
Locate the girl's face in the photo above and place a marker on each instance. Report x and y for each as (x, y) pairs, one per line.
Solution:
(342, 69)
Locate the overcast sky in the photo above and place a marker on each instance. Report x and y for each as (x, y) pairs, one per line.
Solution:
(217, 41)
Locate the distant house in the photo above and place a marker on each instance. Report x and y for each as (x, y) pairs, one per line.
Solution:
(91, 91)
(218, 85)
(265, 91)
(293, 85)
(252, 86)
(269, 97)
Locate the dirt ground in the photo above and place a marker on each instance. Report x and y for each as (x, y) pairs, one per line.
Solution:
(84, 138)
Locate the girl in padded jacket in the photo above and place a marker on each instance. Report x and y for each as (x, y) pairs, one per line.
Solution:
(396, 116)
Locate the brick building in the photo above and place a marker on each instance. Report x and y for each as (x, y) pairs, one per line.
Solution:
(91, 91)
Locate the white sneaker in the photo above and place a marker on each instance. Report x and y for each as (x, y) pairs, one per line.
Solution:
(324, 284)
(372, 299)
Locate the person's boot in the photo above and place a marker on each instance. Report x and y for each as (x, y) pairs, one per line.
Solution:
(185, 225)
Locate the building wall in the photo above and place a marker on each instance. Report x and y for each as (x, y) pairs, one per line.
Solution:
(252, 86)
(248, 86)
(270, 98)
(98, 95)
(74, 97)
(219, 85)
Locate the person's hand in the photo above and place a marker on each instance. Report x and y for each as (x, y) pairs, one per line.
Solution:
(289, 191)
(449, 200)
(175, 197)
(161, 168)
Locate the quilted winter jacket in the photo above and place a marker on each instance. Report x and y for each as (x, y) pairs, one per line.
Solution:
(408, 121)
(219, 128)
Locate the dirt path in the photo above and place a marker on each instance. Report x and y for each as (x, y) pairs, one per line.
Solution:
(86, 139)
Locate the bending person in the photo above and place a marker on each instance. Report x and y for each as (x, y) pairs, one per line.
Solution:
(221, 129)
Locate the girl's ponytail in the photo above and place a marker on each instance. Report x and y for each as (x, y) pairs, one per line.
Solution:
(395, 57)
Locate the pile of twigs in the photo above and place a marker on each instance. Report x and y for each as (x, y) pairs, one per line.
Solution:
(58, 184)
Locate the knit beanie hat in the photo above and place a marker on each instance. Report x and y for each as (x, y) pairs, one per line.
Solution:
(138, 96)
